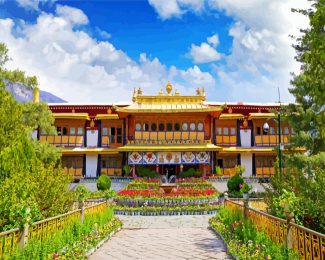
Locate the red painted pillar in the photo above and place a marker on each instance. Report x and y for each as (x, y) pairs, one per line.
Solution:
(157, 168)
(204, 171)
(133, 171)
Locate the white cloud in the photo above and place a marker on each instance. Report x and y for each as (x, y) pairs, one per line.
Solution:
(32, 4)
(261, 56)
(176, 8)
(74, 66)
(213, 40)
(204, 53)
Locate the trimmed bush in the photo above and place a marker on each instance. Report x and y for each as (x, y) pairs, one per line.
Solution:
(190, 173)
(234, 182)
(104, 183)
(146, 172)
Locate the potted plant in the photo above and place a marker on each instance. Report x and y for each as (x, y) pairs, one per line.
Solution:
(244, 189)
(218, 171)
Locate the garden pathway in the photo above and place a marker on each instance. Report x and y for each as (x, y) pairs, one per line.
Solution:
(163, 237)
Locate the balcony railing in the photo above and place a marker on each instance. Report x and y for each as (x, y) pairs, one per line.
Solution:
(229, 140)
(63, 140)
(75, 173)
(168, 137)
(270, 140)
(267, 171)
(111, 171)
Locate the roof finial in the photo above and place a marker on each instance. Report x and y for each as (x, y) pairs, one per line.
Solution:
(139, 92)
(36, 94)
(169, 88)
(134, 97)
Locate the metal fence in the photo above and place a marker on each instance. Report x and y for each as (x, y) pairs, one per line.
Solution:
(307, 243)
(10, 240)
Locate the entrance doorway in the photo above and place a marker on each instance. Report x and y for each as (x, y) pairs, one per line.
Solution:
(169, 170)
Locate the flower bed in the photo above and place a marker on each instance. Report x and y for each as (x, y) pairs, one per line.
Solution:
(191, 197)
(244, 241)
(73, 241)
(167, 210)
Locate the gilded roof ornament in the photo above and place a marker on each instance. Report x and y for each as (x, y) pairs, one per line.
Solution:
(160, 93)
(169, 88)
(134, 97)
(198, 92)
(139, 92)
(177, 93)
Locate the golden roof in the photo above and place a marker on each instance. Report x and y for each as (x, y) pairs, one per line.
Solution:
(261, 115)
(226, 150)
(169, 103)
(231, 116)
(84, 150)
(82, 116)
(106, 116)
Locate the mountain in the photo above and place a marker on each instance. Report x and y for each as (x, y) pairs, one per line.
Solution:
(22, 94)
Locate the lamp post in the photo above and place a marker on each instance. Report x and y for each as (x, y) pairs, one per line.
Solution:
(266, 128)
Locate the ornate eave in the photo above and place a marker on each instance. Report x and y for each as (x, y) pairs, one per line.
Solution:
(261, 116)
(171, 148)
(231, 116)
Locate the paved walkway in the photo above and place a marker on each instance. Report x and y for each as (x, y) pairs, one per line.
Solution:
(163, 237)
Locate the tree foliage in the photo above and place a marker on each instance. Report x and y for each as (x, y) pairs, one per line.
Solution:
(30, 171)
(305, 173)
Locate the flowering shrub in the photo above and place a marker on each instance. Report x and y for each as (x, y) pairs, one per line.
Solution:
(244, 188)
(244, 241)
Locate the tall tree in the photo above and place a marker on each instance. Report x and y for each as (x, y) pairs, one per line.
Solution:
(30, 171)
(305, 173)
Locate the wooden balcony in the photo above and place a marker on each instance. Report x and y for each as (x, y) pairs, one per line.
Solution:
(270, 140)
(111, 171)
(64, 140)
(74, 173)
(226, 140)
(168, 135)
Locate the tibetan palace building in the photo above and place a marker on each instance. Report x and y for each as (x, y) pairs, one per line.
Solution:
(168, 133)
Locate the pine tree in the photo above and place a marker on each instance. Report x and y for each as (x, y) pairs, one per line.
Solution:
(305, 173)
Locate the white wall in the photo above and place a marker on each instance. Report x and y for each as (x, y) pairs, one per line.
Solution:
(91, 165)
(92, 138)
(245, 137)
(246, 160)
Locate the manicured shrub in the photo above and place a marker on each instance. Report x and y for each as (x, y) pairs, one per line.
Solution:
(191, 172)
(146, 172)
(82, 193)
(104, 183)
(234, 182)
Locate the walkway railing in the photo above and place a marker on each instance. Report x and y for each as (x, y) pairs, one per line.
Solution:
(307, 243)
(11, 239)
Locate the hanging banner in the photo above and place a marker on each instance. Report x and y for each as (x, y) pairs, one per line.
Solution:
(188, 157)
(149, 158)
(153, 158)
(169, 157)
(202, 157)
(135, 158)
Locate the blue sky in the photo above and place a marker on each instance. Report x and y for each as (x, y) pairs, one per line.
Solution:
(237, 51)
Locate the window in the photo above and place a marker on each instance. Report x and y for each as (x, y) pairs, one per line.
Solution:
(184, 127)
(146, 126)
(105, 131)
(119, 135)
(232, 131)
(200, 126)
(115, 135)
(80, 131)
(161, 127)
(286, 130)
(72, 131)
(192, 126)
(219, 131)
(272, 131)
(169, 127)
(265, 132)
(225, 131)
(138, 127)
(176, 127)
(153, 127)
(258, 130)
(65, 131)
(58, 130)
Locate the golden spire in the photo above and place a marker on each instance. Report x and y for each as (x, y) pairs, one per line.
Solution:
(134, 97)
(160, 93)
(176, 92)
(169, 88)
(139, 92)
(36, 94)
